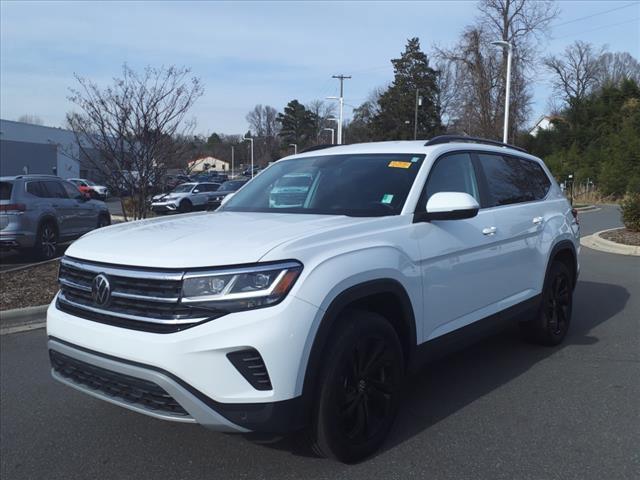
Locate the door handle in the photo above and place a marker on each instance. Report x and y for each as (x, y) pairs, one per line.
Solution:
(489, 231)
(537, 220)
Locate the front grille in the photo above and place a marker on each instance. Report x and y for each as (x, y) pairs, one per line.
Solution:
(135, 391)
(140, 299)
(251, 366)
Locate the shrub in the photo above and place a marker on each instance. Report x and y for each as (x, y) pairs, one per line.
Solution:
(630, 207)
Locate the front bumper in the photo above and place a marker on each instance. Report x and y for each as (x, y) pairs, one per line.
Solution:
(192, 366)
(164, 206)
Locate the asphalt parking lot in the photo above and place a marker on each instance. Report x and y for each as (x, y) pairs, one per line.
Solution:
(500, 409)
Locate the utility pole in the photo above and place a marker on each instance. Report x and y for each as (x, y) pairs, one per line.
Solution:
(506, 45)
(232, 159)
(295, 148)
(415, 116)
(342, 78)
(250, 139)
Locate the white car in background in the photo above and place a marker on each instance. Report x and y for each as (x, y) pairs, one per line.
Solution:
(184, 198)
(93, 189)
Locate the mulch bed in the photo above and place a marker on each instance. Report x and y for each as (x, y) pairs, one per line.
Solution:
(622, 235)
(29, 287)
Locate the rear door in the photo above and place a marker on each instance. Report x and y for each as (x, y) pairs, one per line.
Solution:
(516, 187)
(63, 206)
(85, 215)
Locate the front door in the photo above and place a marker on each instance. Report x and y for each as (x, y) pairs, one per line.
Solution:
(457, 256)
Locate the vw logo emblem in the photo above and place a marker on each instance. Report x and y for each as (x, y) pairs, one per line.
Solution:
(101, 290)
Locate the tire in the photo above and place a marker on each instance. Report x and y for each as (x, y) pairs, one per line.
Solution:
(551, 323)
(104, 221)
(185, 206)
(358, 388)
(46, 245)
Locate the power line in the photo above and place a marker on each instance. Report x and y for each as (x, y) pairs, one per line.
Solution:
(595, 14)
(597, 28)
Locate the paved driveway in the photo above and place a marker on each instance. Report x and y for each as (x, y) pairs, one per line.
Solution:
(498, 410)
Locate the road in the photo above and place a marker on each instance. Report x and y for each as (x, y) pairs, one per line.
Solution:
(498, 410)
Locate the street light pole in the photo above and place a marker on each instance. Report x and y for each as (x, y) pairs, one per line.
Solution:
(295, 148)
(333, 131)
(250, 140)
(509, 47)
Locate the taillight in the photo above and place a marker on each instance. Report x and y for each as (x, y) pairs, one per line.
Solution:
(13, 207)
(574, 212)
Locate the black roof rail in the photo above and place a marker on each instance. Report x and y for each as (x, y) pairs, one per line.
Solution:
(463, 138)
(38, 175)
(318, 147)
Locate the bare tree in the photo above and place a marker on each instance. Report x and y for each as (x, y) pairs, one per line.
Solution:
(479, 68)
(575, 72)
(616, 67)
(321, 112)
(128, 130)
(32, 119)
(264, 128)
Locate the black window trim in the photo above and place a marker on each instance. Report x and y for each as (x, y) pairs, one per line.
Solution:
(486, 197)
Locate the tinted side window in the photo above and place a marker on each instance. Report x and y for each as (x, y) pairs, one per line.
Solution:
(37, 189)
(508, 180)
(453, 173)
(539, 183)
(55, 189)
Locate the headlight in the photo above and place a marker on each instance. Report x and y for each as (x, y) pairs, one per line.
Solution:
(232, 290)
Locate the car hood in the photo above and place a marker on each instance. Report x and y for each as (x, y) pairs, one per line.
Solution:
(204, 239)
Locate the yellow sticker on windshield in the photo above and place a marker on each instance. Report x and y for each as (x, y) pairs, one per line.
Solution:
(396, 164)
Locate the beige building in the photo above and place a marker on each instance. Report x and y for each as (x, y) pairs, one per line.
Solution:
(205, 164)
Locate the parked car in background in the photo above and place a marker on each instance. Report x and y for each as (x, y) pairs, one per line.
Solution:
(290, 191)
(211, 176)
(184, 198)
(225, 189)
(169, 182)
(247, 172)
(39, 211)
(92, 189)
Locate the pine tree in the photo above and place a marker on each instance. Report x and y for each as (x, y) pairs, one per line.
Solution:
(297, 124)
(395, 120)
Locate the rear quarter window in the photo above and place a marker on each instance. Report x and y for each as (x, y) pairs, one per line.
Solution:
(5, 190)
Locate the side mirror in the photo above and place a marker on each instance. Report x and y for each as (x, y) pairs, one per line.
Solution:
(226, 198)
(451, 206)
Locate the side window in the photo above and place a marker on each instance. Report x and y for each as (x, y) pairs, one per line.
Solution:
(72, 190)
(539, 183)
(37, 189)
(513, 180)
(55, 189)
(452, 173)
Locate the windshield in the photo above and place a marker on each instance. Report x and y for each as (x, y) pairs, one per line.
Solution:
(232, 186)
(367, 185)
(90, 183)
(185, 187)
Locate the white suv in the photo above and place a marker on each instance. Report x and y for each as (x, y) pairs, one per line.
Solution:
(268, 318)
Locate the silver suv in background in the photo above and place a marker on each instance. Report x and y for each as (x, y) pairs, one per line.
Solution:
(184, 198)
(39, 211)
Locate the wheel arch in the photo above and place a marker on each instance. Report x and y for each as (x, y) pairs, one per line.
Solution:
(383, 296)
(565, 252)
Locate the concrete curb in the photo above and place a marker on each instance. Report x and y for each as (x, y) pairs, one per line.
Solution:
(22, 319)
(596, 242)
(590, 208)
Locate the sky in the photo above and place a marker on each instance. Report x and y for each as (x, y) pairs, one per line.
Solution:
(249, 53)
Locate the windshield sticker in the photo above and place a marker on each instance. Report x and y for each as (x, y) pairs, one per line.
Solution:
(387, 198)
(415, 159)
(396, 164)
